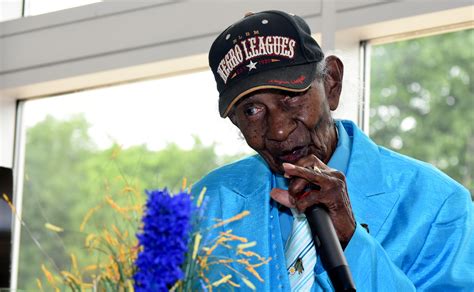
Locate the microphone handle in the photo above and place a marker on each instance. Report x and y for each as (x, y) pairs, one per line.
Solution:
(329, 249)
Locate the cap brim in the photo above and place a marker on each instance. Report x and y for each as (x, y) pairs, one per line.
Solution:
(292, 78)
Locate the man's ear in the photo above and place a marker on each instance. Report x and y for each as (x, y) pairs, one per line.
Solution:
(333, 81)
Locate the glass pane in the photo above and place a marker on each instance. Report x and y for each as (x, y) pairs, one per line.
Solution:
(86, 146)
(36, 7)
(10, 9)
(422, 101)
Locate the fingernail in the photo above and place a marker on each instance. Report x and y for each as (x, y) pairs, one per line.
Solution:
(288, 165)
(315, 168)
(285, 175)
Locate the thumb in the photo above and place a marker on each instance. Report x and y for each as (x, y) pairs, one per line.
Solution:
(283, 197)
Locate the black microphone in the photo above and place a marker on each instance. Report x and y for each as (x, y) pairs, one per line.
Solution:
(329, 249)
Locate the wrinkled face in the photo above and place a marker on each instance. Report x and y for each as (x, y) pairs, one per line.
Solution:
(285, 126)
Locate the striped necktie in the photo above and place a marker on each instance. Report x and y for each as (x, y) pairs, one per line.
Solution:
(300, 254)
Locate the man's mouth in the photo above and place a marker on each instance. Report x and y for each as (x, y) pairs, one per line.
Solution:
(292, 156)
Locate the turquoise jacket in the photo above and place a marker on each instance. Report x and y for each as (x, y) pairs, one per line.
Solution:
(420, 221)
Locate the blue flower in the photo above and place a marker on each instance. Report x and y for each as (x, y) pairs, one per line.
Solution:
(164, 240)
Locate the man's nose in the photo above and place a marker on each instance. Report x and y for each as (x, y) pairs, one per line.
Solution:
(280, 125)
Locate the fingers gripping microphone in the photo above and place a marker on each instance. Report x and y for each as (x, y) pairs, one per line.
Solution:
(330, 250)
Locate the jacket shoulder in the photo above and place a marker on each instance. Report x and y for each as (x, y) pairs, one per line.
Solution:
(422, 177)
(247, 173)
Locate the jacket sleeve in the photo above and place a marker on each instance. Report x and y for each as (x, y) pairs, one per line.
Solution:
(445, 262)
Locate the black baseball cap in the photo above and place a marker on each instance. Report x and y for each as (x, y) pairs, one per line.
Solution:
(268, 49)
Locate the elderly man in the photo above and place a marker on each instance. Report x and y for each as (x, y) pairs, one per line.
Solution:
(403, 225)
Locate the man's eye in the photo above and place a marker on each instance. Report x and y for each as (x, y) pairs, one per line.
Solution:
(251, 111)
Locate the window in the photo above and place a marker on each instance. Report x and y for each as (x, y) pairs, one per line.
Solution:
(36, 7)
(82, 146)
(422, 100)
(13, 9)
(10, 9)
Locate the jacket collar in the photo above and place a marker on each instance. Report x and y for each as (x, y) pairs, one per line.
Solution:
(364, 171)
(371, 199)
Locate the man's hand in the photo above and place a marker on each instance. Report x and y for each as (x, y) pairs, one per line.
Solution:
(313, 182)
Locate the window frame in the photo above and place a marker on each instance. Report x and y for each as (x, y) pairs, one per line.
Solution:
(366, 47)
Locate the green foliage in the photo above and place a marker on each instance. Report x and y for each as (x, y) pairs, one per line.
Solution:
(53, 190)
(422, 101)
(66, 175)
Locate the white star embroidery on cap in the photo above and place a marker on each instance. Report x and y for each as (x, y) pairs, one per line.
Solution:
(252, 65)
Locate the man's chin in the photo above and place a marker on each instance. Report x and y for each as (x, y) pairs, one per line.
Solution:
(275, 165)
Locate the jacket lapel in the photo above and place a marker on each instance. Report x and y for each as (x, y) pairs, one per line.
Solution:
(370, 197)
(252, 195)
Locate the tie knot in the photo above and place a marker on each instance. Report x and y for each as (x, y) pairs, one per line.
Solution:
(297, 214)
